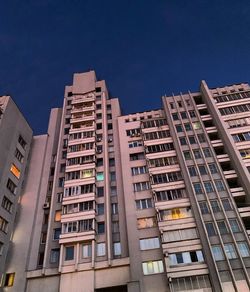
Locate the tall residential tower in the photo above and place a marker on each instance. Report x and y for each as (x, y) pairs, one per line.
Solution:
(151, 201)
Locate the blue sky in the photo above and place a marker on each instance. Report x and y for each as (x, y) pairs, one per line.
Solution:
(142, 48)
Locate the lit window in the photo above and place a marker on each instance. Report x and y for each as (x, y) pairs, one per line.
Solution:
(149, 243)
(99, 176)
(196, 125)
(87, 173)
(152, 267)
(9, 280)
(100, 249)
(117, 248)
(146, 222)
(58, 215)
(86, 250)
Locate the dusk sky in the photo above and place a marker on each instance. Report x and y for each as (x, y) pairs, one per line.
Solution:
(142, 48)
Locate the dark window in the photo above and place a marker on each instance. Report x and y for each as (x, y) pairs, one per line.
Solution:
(11, 186)
(100, 209)
(100, 227)
(69, 253)
(99, 126)
(22, 142)
(100, 191)
(110, 126)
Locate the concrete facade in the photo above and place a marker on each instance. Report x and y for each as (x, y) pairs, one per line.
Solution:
(145, 202)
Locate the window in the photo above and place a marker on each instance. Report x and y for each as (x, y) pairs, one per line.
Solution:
(19, 155)
(115, 227)
(215, 206)
(230, 251)
(9, 280)
(136, 156)
(210, 229)
(187, 155)
(217, 253)
(187, 127)
(146, 222)
(213, 168)
(179, 128)
(176, 213)
(61, 182)
(99, 176)
(117, 248)
(186, 257)
(98, 116)
(86, 250)
(111, 162)
(54, 255)
(100, 209)
(219, 185)
(56, 233)
(197, 154)
(204, 208)
(183, 115)
(11, 186)
(196, 125)
(139, 170)
(58, 215)
(113, 191)
(149, 243)
(226, 205)
(100, 192)
(192, 114)
(192, 139)
(3, 225)
(100, 249)
(69, 253)
(175, 116)
(198, 188)
(208, 187)
(222, 227)
(112, 176)
(202, 169)
(234, 225)
(166, 177)
(169, 195)
(163, 161)
(134, 144)
(244, 249)
(114, 208)
(179, 103)
(100, 227)
(99, 126)
(177, 235)
(207, 152)
(201, 138)
(7, 204)
(141, 186)
(192, 171)
(99, 162)
(183, 141)
(144, 204)
(159, 148)
(22, 142)
(152, 267)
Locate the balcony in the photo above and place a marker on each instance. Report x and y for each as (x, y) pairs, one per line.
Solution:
(83, 98)
(238, 192)
(244, 212)
(77, 236)
(82, 108)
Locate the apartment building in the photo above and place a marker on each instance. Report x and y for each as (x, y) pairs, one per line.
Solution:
(150, 201)
(15, 141)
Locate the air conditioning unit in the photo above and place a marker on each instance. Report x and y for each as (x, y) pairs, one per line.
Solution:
(132, 135)
(110, 140)
(98, 151)
(46, 205)
(98, 139)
